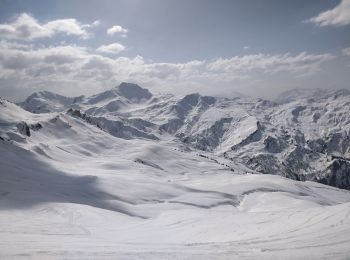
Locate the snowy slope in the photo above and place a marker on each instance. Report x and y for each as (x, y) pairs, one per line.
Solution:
(303, 135)
(70, 189)
(165, 177)
(45, 101)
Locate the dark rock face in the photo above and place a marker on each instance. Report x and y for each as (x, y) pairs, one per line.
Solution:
(338, 142)
(35, 127)
(133, 91)
(318, 145)
(208, 139)
(75, 113)
(272, 145)
(337, 174)
(23, 128)
(117, 128)
(296, 112)
(263, 163)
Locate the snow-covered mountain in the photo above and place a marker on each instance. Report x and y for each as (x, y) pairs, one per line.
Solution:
(303, 134)
(133, 175)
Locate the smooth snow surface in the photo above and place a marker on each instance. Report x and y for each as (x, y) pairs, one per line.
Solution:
(71, 188)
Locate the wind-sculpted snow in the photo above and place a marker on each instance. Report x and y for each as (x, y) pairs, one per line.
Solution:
(73, 188)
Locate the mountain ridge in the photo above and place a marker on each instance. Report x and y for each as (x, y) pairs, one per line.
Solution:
(302, 138)
(174, 174)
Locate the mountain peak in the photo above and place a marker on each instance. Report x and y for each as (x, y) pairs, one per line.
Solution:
(133, 91)
(46, 101)
(40, 94)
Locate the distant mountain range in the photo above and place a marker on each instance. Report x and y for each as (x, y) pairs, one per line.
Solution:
(129, 174)
(303, 134)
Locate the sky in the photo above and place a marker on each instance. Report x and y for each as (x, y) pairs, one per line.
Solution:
(259, 48)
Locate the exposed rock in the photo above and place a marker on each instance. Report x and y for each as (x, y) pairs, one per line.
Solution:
(318, 145)
(272, 145)
(117, 128)
(35, 127)
(23, 128)
(337, 174)
(133, 91)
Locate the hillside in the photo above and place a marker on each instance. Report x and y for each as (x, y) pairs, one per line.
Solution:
(161, 176)
(303, 135)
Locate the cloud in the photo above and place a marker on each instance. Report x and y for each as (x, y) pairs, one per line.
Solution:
(113, 48)
(61, 67)
(26, 27)
(346, 51)
(96, 23)
(301, 64)
(338, 16)
(117, 29)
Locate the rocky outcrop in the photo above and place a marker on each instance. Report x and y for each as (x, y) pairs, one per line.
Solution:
(273, 145)
(133, 92)
(337, 174)
(117, 128)
(23, 128)
(35, 127)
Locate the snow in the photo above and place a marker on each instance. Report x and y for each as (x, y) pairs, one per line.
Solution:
(240, 133)
(45, 101)
(73, 189)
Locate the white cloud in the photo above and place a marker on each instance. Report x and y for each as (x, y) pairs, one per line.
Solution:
(112, 48)
(96, 23)
(346, 51)
(61, 67)
(339, 15)
(26, 27)
(301, 64)
(117, 29)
